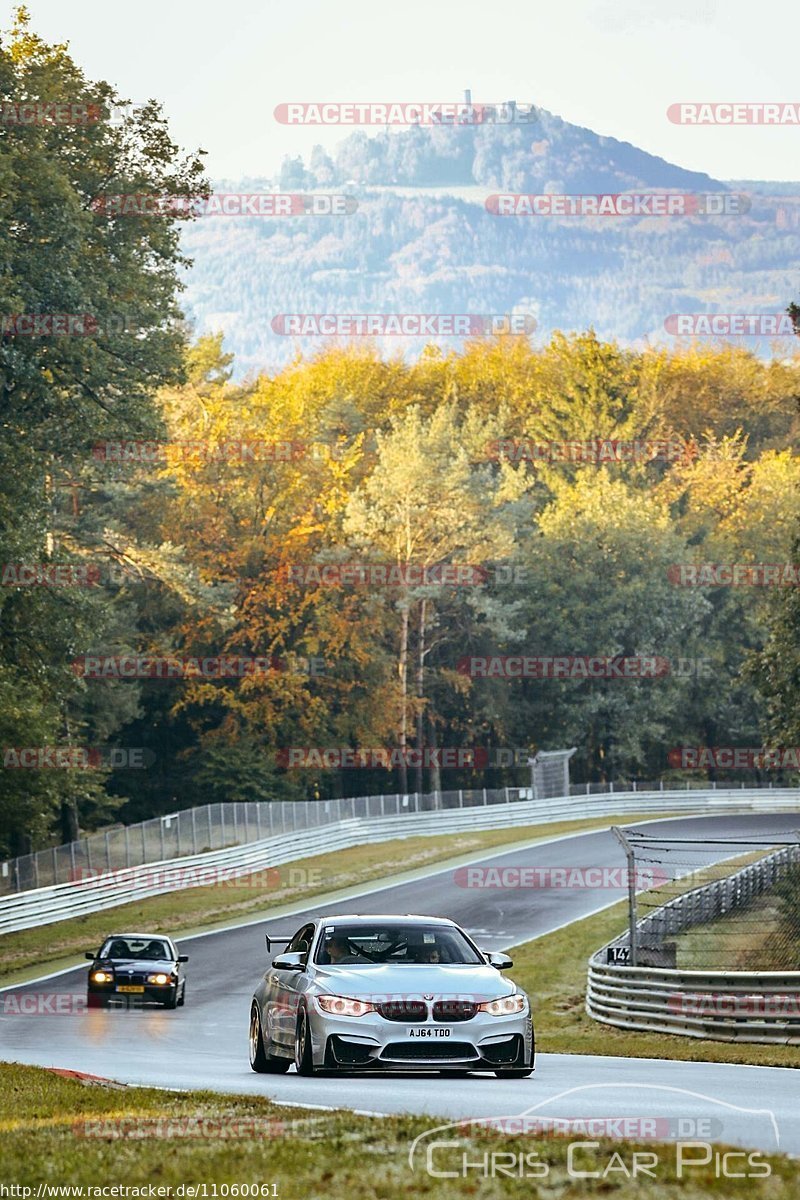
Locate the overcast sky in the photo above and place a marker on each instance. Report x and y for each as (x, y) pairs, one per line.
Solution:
(221, 66)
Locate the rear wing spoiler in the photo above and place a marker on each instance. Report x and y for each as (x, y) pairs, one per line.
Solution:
(274, 941)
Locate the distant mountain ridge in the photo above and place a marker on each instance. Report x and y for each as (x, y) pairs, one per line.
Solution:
(421, 241)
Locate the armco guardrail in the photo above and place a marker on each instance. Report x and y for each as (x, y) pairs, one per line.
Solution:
(730, 1006)
(43, 906)
(217, 826)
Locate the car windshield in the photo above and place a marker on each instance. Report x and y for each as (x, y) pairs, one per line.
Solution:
(130, 947)
(394, 942)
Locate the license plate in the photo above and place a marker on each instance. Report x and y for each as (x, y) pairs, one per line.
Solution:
(130, 987)
(424, 1032)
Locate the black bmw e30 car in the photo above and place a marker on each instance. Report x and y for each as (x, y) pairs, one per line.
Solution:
(145, 966)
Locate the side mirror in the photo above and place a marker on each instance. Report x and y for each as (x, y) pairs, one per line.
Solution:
(292, 961)
(183, 958)
(90, 954)
(496, 958)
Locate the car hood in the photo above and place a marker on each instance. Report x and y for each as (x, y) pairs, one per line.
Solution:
(482, 983)
(138, 965)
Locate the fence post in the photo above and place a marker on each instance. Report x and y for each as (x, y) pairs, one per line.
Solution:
(55, 865)
(484, 795)
(72, 855)
(194, 831)
(460, 798)
(127, 848)
(631, 857)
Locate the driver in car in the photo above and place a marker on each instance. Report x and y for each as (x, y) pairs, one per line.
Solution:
(339, 952)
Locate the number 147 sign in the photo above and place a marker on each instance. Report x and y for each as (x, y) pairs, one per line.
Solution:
(618, 954)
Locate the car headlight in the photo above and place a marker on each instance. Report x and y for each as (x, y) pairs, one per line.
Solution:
(160, 977)
(344, 1006)
(102, 977)
(503, 1006)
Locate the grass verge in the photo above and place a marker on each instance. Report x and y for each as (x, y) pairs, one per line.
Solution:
(191, 910)
(57, 1132)
(752, 939)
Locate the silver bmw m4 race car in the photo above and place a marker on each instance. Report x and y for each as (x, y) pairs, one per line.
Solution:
(388, 992)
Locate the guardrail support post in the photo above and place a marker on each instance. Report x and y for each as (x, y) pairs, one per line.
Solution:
(631, 857)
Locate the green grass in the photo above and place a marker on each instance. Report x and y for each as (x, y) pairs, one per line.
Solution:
(751, 939)
(57, 1131)
(51, 947)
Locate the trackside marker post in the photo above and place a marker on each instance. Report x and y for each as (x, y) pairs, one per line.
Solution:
(629, 853)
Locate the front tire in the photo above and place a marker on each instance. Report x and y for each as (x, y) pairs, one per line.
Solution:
(303, 1058)
(260, 1061)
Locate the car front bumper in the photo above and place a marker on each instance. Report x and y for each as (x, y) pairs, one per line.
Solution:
(158, 993)
(481, 1043)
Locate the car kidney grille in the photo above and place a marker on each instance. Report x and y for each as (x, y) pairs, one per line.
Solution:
(454, 1010)
(124, 977)
(403, 1010)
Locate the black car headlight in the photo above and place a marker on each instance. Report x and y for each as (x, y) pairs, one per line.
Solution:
(159, 977)
(102, 976)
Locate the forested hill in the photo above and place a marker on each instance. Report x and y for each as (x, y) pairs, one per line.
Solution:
(422, 240)
(540, 151)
